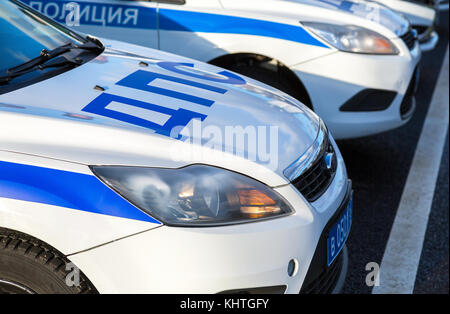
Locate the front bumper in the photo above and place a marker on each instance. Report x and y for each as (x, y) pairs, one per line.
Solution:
(333, 80)
(320, 278)
(429, 42)
(213, 260)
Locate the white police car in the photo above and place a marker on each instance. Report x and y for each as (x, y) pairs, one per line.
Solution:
(440, 5)
(422, 17)
(105, 186)
(356, 65)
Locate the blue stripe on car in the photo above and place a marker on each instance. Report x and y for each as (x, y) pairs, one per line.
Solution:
(173, 20)
(65, 189)
(107, 15)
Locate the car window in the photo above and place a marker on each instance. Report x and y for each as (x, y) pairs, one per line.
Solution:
(23, 34)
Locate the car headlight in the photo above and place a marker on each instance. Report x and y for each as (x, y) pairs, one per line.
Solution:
(352, 38)
(194, 195)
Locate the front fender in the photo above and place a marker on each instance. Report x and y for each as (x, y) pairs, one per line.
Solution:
(63, 204)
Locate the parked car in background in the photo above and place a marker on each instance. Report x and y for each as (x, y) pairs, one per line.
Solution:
(441, 5)
(422, 17)
(357, 70)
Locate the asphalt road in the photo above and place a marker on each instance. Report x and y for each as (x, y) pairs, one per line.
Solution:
(379, 166)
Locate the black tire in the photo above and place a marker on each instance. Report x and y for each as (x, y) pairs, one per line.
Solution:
(278, 76)
(28, 265)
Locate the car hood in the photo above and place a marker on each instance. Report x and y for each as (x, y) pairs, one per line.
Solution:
(62, 117)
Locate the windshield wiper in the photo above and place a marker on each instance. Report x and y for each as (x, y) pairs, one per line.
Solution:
(43, 60)
(44, 56)
(94, 41)
(55, 63)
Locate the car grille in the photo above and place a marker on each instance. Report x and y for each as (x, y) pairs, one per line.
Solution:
(313, 182)
(421, 29)
(327, 280)
(409, 38)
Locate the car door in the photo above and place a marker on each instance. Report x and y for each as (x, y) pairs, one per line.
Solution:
(181, 23)
(126, 20)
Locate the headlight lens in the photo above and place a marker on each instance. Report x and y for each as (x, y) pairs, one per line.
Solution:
(194, 195)
(352, 38)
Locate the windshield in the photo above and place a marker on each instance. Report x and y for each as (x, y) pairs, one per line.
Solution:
(24, 33)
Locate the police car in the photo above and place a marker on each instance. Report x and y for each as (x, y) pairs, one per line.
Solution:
(440, 5)
(118, 173)
(355, 64)
(422, 17)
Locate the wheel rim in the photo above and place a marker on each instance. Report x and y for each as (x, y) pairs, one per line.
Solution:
(9, 287)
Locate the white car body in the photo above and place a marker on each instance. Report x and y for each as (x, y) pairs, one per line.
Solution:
(422, 18)
(210, 30)
(52, 131)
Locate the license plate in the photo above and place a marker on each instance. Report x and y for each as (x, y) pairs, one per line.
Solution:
(339, 232)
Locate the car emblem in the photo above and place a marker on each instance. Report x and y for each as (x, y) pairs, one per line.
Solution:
(330, 161)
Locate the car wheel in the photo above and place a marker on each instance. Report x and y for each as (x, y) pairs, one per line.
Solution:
(29, 266)
(269, 72)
